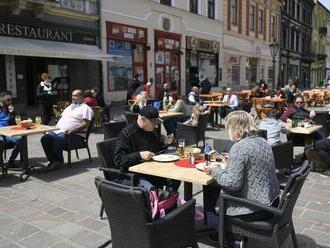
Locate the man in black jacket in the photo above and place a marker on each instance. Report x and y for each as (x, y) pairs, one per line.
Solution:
(139, 142)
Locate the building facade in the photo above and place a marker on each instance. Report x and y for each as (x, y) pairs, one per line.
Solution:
(59, 37)
(162, 41)
(319, 44)
(250, 26)
(296, 38)
(328, 48)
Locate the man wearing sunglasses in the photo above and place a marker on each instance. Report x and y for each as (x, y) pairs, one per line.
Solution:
(7, 116)
(297, 111)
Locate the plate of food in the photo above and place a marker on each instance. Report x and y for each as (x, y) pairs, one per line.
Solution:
(166, 158)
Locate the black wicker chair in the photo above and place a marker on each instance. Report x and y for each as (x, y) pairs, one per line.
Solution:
(283, 154)
(323, 118)
(106, 151)
(193, 134)
(131, 117)
(80, 142)
(129, 216)
(273, 231)
(113, 128)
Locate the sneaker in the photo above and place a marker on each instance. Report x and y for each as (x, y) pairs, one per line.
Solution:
(314, 156)
(238, 244)
(12, 164)
(53, 165)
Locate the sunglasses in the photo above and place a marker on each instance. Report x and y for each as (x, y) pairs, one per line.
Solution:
(299, 102)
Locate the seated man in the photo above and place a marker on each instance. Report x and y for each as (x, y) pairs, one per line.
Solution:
(320, 154)
(300, 113)
(76, 117)
(7, 115)
(231, 100)
(139, 141)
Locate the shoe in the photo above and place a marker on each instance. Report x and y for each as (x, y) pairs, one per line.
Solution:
(238, 244)
(53, 165)
(314, 156)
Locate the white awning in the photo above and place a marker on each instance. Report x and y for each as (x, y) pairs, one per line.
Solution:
(51, 49)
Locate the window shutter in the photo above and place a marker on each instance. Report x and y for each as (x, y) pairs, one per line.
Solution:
(247, 17)
(265, 25)
(240, 16)
(228, 15)
(256, 20)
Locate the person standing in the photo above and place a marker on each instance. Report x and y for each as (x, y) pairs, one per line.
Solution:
(135, 84)
(205, 85)
(46, 95)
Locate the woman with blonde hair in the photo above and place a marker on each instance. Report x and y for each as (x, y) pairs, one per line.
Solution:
(139, 103)
(249, 172)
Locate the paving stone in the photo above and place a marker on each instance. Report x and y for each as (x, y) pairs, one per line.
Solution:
(18, 231)
(57, 211)
(6, 243)
(6, 220)
(64, 245)
(318, 206)
(72, 217)
(316, 216)
(39, 240)
(66, 230)
(43, 221)
(92, 240)
(92, 224)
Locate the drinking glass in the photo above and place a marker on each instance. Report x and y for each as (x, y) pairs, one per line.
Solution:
(18, 120)
(38, 120)
(181, 146)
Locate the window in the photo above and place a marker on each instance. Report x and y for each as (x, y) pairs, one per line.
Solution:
(233, 12)
(284, 37)
(292, 39)
(298, 11)
(211, 9)
(260, 21)
(194, 6)
(293, 9)
(252, 18)
(297, 41)
(272, 27)
(166, 2)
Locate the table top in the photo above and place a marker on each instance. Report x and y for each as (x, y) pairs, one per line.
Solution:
(171, 171)
(216, 104)
(163, 114)
(10, 131)
(303, 130)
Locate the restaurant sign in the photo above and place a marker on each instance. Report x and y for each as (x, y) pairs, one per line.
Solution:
(46, 32)
(126, 32)
(202, 45)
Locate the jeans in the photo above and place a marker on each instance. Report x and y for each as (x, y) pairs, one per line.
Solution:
(17, 142)
(54, 144)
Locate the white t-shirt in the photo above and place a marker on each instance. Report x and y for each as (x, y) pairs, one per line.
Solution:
(72, 117)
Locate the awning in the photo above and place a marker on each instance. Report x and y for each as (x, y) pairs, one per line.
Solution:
(51, 49)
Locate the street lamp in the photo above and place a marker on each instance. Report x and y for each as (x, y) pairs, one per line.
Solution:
(274, 46)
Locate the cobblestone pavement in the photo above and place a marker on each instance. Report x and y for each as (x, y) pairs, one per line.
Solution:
(60, 208)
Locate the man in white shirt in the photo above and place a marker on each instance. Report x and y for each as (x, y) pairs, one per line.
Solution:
(76, 117)
(231, 100)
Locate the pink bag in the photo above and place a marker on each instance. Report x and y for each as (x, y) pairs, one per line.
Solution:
(160, 208)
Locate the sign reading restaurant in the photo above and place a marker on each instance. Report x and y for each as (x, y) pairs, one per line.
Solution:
(45, 31)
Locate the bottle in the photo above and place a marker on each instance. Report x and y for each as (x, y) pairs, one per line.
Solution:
(192, 158)
(207, 151)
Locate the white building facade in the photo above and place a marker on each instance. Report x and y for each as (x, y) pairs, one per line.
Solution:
(328, 49)
(175, 41)
(249, 27)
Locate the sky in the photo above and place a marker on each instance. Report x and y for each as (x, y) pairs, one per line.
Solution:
(326, 3)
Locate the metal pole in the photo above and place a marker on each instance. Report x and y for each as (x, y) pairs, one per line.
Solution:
(274, 72)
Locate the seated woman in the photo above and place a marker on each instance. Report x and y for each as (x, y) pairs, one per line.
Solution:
(139, 103)
(196, 111)
(193, 96)
(179, 105)
(249, 172)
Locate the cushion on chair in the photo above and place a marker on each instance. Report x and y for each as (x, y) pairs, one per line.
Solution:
(265, 225)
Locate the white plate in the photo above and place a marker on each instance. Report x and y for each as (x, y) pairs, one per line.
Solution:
(166, 158)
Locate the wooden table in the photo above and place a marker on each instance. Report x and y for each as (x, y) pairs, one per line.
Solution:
(217, 105)
(171, 171)
(164, 114)
(212, 96)
(10, 131)
(303, 130)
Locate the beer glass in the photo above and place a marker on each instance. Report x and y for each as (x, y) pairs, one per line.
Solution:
(181, 147)
(18, 120)
(38, 120)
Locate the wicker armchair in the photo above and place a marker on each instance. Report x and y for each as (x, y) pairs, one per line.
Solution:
(323, 118)
(106, 151)
(129, 216)
(80, 142)
(113, 128)
(193, 134)
(273, 231)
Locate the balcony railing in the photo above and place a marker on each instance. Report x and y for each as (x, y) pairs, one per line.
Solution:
(86, 6)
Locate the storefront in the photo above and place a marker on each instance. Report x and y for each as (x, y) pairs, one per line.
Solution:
(167, 60)
(202, 59)
(129, 44)
(29, 47)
